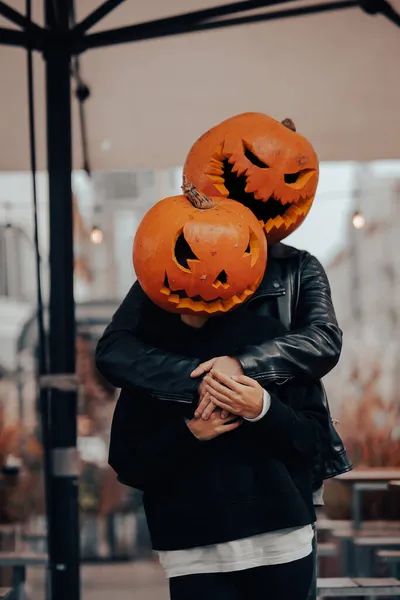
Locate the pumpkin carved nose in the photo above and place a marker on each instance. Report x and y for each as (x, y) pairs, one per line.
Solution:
(221, 280)
(222, 277)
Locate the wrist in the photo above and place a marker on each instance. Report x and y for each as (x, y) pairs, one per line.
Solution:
(255, 411)
(258, 414)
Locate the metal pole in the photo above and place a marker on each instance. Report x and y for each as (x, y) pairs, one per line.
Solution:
(64, 555)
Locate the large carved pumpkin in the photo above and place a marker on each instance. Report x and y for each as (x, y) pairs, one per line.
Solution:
(197, 255)
(261, 163)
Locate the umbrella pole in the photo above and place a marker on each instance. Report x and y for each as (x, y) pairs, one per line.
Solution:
(64, 555)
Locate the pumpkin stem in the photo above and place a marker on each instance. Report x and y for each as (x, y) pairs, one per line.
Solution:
(289, 124)
(197, 199)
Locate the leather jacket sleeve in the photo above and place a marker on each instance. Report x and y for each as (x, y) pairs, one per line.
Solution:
(312, 348)
(127, 362)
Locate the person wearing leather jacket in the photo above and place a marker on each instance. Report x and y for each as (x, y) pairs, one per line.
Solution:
(294, 289)
(310, 350)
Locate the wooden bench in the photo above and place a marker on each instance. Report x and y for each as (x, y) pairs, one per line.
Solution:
(388, 541)
(352, 542)
(392, 558)
(325, 524)
(366, 545)
(358, 587)
(19, 561)
(5, 593)
(326, 549)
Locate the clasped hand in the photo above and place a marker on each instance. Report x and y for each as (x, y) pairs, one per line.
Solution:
(238, 395)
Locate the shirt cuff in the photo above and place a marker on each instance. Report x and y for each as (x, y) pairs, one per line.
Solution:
(265, 408)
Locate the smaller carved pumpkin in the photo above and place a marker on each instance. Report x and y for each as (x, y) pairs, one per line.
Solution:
(264, 164)
(197, 255)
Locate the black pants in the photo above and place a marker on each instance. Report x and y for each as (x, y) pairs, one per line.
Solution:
(290, 581)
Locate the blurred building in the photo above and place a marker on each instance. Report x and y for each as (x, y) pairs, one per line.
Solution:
(107, 210)
(365, 281)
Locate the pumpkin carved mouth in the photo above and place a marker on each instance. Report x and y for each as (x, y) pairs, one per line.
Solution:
(270, 213)
(197, 304)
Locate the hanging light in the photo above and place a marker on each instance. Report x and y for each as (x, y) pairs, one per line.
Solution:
(7, 210)
(96, 235)
(358, 220)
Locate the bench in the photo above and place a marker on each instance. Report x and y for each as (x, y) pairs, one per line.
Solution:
(365, 546)
(325, 524)
(5, 593)
(326, 549)
(357, 587)
(392, 558)
(352, 541)
(19, 561)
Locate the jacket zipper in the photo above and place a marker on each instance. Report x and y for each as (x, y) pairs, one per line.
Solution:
(173, 397)
(278, 377)
(269, 293)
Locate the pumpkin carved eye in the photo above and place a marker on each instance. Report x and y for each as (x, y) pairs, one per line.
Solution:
(291, 177)
(183, 252)
(249, 154)
(299, 179)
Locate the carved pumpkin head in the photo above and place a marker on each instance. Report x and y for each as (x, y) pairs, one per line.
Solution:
(261, 163)
(197, 255)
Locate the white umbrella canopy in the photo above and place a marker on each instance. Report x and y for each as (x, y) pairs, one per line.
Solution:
(336, 74)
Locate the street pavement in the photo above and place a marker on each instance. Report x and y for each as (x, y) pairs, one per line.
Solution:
(142, 580)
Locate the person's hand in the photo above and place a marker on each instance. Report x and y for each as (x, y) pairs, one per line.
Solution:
(225, 364)
(238, 395)
(213, 427)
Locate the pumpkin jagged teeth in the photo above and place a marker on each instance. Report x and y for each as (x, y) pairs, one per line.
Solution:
(188, 303)
(164, 290)
(278, 221)
(247, 293)
(216, 306)
(222, 189)
(174, 298)
(236, 300)
(219, 154)
(269, 225)
(216, 178)
(238, 170)
(216, 168)
(290, 218)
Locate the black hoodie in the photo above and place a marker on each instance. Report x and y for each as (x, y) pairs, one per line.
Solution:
(247, 482)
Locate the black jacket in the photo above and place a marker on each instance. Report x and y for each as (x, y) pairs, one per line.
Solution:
(253, 480)
(294, 288)
(311, 350)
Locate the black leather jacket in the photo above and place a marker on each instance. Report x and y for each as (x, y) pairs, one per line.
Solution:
(294, 287)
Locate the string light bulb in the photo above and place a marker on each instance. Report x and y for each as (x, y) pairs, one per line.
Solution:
(96, 235)
(358, 220)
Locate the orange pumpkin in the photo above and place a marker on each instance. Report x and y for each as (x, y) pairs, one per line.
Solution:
(198, 255)
(261, 163)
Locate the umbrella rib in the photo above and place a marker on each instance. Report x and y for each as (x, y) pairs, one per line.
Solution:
(17, 18)
(82, 93)
(191, 17)
(97, 15)
(373, 7)
(155, 29)
(11, 37)
(388, 11)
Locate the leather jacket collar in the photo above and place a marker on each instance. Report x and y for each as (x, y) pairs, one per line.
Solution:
(273, 281)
